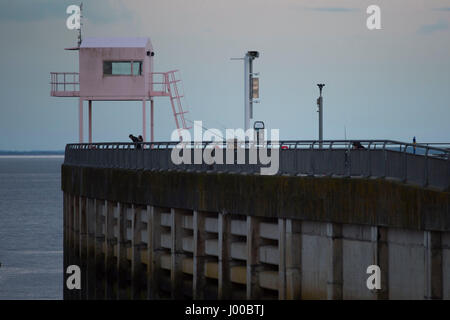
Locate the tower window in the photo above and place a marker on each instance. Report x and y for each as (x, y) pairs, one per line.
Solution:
(122, 68)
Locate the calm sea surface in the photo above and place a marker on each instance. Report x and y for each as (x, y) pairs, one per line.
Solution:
(31, 228)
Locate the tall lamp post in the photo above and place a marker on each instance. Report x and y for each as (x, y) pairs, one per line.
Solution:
(320, 111)
(251, 86)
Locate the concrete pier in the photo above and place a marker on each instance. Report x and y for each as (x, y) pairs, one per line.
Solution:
(172, 235)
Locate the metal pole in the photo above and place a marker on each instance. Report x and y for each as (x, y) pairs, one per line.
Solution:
(80, 121)
(90, 121)
(248, 79)
(152, 104)
(320, 110)
(144, 125)
(247, 63)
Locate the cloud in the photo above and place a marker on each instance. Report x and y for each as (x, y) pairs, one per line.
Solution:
(333, 9)
(431, 28)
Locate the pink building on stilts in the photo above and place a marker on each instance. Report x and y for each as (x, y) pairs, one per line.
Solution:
(119, 69)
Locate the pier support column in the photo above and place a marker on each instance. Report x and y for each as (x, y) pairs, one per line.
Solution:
(224, 251)
(381, 259)
(75, 252)
(83, 248)
(136, 244)
(433, 265)
(69, 246)
(282, 257)
(289, 245)
(90, 121)
(71, 227)
(80, 120)
(153, 251)
(253, 262)
(152, 105)
(199, 281)
(176, 274)
(66, 235)
(111, 242)
(100, 274)
(90, 254)
(70, 221)
(122, 261)
(144, 120)
(335, 264)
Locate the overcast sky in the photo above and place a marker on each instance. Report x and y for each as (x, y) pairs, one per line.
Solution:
(392, 83)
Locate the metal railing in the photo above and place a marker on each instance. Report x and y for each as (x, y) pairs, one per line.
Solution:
(422, 165)
(65, 81)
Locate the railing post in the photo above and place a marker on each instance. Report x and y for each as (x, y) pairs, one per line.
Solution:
(369, 169)
(405, 171)
(447, 187)
(425, 183)
(385, 160)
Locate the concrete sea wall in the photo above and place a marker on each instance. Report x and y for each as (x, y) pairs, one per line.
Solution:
(168, 234)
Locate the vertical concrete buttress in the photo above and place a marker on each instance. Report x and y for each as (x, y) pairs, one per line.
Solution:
(136, 244)
(292, 258)
(153, 251)
(253, 261)
(122, 261)
(433, 265)
(176, 274)
(199, 258)
(335, 264)
(381, 259)
(111, 243)
(83, 248)
(90, 238)
(100, 272)
(224, 255)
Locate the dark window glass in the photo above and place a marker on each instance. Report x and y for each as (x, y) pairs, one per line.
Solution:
(137, 68)
(107, 67)
(122, 68)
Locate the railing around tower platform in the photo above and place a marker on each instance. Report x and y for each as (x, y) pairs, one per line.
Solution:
(65, 84)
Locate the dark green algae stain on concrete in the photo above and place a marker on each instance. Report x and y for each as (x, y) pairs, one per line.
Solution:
(341, 200)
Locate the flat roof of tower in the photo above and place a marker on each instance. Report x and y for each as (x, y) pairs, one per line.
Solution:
(117, 42)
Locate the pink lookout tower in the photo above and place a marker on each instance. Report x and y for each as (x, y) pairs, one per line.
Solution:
(119, 69)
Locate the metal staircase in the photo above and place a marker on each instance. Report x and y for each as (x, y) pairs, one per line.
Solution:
(169, 84)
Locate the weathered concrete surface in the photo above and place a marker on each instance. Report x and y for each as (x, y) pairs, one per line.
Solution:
(173, 234)
(446, 264)
(405, 249)
(340, 200)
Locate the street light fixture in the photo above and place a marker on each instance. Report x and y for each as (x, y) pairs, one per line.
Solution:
(320, 111)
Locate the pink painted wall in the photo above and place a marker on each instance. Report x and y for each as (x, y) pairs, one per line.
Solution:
(96, 86)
